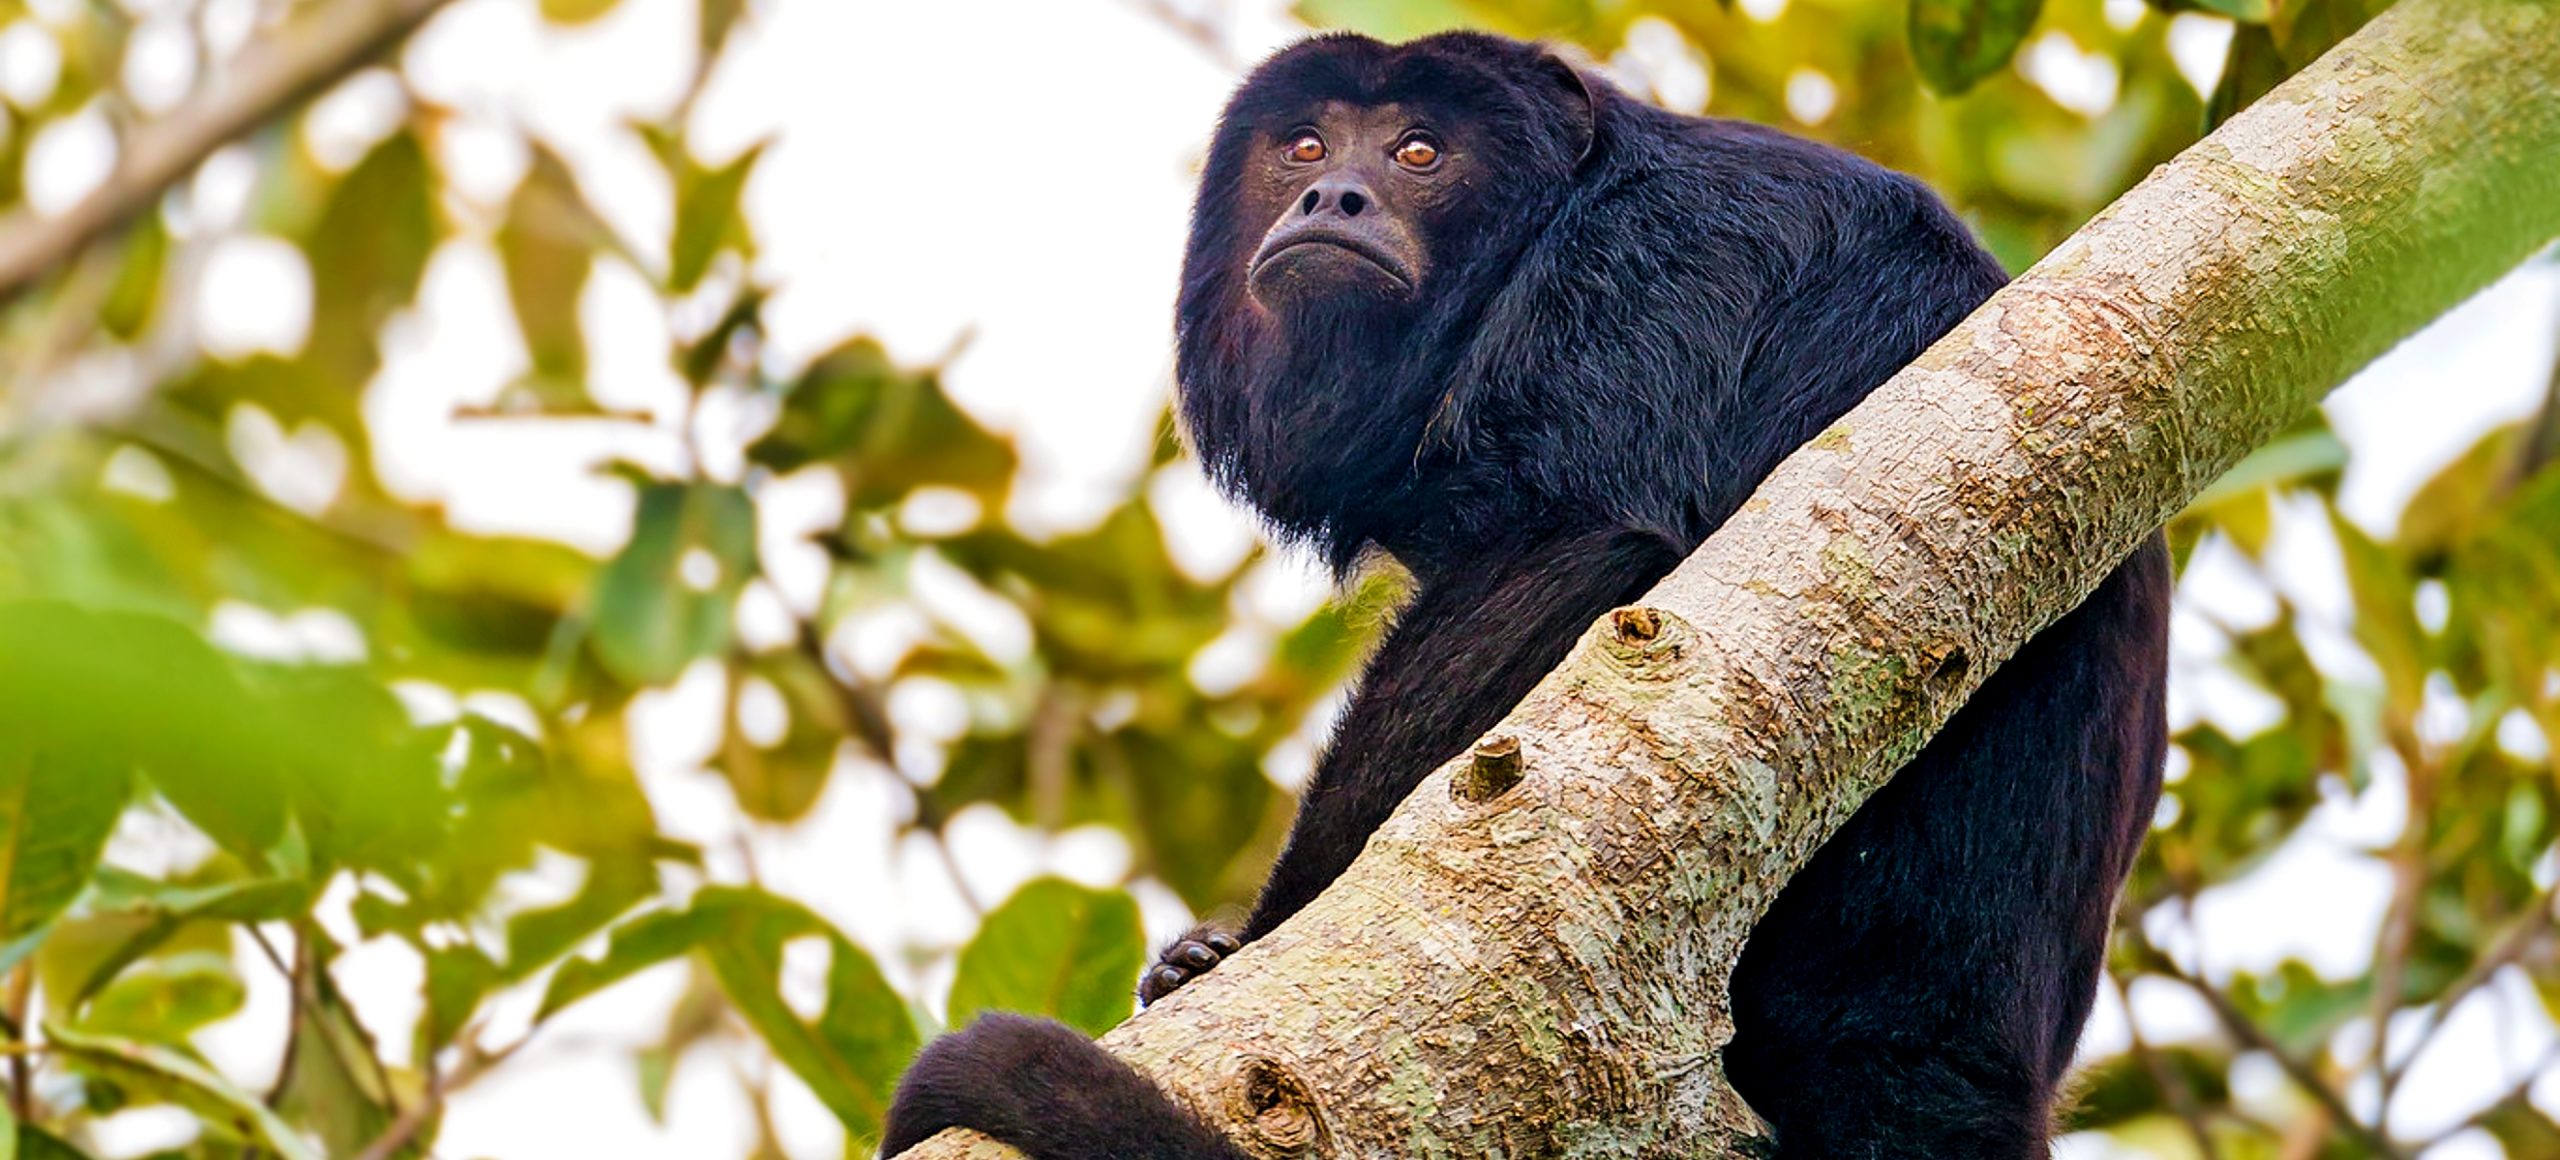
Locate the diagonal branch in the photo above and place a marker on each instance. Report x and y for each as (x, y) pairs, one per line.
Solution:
(308, 54)
(1540, 970)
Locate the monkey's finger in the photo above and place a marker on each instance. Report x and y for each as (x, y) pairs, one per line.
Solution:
(1164, 980)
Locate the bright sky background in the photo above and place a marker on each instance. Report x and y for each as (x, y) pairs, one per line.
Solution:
(1005, 182)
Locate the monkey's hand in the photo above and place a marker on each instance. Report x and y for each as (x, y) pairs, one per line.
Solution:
(1185, 959)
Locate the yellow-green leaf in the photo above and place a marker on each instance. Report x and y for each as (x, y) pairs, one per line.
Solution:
(56, 807)
(706, 217)
(167, 1075)
(1055, 949)
(575, 11)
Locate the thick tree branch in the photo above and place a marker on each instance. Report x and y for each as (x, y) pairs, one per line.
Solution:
(1543, 973)
(289, 64)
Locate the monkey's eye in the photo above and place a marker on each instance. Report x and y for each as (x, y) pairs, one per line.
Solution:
(1418, 151)
(1306, 147)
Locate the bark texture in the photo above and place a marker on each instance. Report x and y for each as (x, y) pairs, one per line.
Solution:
(1531, 961)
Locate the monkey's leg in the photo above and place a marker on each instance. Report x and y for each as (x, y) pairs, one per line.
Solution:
(1468, 648)
(1917, 989)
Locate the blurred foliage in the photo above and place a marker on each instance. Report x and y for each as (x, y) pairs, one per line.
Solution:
(182, 814)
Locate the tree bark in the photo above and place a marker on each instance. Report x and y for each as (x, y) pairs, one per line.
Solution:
(285, 66)
(1540, 970)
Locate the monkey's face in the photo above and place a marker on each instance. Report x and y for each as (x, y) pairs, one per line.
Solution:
(1350, 194)
(1375, 179)
(1361, 208)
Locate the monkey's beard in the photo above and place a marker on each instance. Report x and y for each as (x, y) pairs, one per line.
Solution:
(1337, 395)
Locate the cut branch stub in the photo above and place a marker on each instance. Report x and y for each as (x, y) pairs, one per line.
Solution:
(1640, 637)
(1492, 769)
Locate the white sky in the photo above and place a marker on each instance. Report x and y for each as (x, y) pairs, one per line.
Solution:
(1010, 180)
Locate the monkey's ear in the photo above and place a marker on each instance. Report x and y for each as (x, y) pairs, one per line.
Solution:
(1581, 104)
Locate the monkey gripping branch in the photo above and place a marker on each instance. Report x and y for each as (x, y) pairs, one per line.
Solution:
(1530, 958)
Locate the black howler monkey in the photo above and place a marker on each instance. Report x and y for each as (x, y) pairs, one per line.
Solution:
(1456, 302)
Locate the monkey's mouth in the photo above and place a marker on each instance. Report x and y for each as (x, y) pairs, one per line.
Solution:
(1321, 255)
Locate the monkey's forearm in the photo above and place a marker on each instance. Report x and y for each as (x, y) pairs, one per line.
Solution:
(1468, 648)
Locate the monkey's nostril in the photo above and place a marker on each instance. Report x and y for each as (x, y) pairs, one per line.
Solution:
(1307, 204)
(1353, 203)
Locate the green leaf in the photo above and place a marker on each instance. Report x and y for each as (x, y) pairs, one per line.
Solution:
(614, 885)
(35, 1143)
(635, 946)
(890, 430)
(166, 1000)
(1957, 43)
(135, 293)
(294, 391)
(850, 1056)
(2464, 497)
(248, 900)
(367, 253)
(510, 796)
(144, 691)
(167, 1075)
(781, 781)
(335, 1084)
(703, 357)
(1201, 797)
(2244, 11)
(458, 978)
(56, 809)
(1054, 949)
(2520, 1127)
(131, 916)
(655, 612)
(575, 11)
(706, 216)
(548, 245)
(365, 786)
(2505, 582)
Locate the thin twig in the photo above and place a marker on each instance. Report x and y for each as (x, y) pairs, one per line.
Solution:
(294, 1013)
(475, 1063)
(2255, 1038)
(865, 715)
(2509, 946)
(307, 55)
(2398, 935)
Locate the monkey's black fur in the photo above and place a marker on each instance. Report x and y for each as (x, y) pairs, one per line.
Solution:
(1617, 321)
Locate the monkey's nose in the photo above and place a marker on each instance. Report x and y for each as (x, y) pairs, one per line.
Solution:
(1343, 195)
